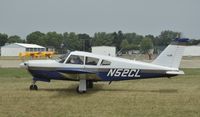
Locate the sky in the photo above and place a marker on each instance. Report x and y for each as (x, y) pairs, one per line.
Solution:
(21, 17)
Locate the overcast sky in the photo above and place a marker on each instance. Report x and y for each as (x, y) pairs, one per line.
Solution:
(21, 17)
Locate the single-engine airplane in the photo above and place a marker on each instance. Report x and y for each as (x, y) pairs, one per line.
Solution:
(87, 67)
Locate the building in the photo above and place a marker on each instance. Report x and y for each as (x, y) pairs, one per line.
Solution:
(104, 50)
(15, 48)
(192, 51)
(50, 48)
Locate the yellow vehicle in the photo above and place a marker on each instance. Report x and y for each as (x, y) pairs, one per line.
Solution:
(46, 54)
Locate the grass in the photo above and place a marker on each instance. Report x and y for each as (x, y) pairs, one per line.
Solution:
(177, 97)
(13, 73)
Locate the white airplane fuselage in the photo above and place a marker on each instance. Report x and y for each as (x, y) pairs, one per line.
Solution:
(87, 67)
(118, 69)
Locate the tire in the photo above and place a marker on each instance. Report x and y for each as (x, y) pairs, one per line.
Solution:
(89, 84)
(33, 87)
(80, 92)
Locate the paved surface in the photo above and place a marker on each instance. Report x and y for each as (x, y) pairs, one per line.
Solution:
(190, 64)
(10, 63)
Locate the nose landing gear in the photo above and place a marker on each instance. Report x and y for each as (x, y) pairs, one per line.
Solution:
(33, 86)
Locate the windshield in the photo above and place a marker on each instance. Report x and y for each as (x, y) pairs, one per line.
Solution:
(62, 58)
(75, 59)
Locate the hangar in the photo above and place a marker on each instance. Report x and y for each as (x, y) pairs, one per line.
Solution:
(15, 48)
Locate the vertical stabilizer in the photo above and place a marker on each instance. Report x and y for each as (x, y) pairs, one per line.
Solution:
(172, 55)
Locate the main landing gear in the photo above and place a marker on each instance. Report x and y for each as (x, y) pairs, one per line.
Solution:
(33, 86)
(83, 85)
(82, 88)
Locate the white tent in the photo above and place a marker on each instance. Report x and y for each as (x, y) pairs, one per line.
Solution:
(192, 51)
(104, 50)
(15, 48)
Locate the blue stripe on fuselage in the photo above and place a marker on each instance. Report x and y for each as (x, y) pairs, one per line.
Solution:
(45, 74)
(103, 74)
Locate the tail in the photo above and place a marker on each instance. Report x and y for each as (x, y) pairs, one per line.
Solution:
(172, 55)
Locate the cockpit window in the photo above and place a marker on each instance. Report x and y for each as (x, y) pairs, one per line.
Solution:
(105, 62)
(63, 58)
(91, 61)
(75, 59)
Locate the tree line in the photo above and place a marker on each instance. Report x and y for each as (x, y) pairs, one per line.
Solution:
(83, 42)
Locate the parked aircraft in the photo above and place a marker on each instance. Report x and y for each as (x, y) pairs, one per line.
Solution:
(87, 68)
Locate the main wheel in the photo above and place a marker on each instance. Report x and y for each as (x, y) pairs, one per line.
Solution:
(80, 92)
(89, 84)
(33, 87)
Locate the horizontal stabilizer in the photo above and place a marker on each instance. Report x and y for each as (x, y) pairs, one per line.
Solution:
(175, 72)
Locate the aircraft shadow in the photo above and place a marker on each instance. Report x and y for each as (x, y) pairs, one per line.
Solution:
(141, 90)
(71, 90)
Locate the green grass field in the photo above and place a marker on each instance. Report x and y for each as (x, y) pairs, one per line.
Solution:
(163, 97)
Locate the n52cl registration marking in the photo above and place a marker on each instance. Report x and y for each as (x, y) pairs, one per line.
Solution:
(123, 73)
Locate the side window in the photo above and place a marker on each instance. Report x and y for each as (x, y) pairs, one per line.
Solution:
(62, 58)
(91, 61)
(105, 62)
(75, 59)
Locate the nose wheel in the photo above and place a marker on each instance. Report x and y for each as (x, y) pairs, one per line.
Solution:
(33, 86)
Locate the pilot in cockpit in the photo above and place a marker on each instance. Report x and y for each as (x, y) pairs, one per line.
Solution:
(76, 60)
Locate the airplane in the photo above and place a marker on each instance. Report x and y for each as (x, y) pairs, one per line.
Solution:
(87, 68)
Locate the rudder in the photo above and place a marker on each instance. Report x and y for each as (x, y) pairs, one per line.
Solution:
(172, 54)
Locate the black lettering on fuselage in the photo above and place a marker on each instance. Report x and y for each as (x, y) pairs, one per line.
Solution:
(124, 73)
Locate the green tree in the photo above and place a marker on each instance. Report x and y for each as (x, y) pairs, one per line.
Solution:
(138, 39)
(146, 45)
(133, 40)
(117, 39)
(85, 42)
(152, 38)
(102, 38)
(166, 37)
(130, 37)
(14, 39)
(3, 39)
(55, 40)
(64, 45)
(71, 41)
(133, 47)
(124, 45)
(36, 38)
